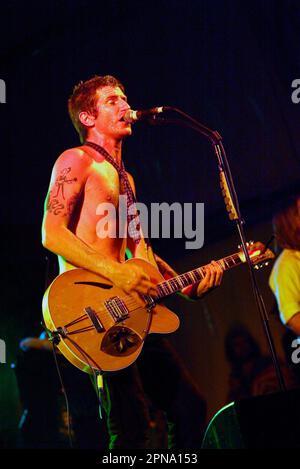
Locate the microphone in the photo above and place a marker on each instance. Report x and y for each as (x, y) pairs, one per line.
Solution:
(131, 116)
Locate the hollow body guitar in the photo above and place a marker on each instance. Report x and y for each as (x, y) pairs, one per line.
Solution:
(97, 325)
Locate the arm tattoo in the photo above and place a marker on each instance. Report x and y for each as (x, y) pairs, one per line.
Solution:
(62, 180)
(54, 206)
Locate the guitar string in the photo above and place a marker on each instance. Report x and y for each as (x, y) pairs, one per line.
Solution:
(163, 285)
(172, 281)
(85, 355)
(134, 303)
(131, 302)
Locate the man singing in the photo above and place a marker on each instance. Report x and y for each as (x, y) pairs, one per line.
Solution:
(82, 178)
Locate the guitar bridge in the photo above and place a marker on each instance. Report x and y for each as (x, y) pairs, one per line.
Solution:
(94, 318)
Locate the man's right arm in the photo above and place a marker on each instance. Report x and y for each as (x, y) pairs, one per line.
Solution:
(68, 179)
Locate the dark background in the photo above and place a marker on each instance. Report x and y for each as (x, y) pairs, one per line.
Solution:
(229, 64)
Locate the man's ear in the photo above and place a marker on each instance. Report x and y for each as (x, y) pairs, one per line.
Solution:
(86, 119)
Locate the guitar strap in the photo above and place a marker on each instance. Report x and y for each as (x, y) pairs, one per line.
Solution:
(134, 229)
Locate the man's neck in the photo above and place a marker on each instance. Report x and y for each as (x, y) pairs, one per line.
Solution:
(112, 146)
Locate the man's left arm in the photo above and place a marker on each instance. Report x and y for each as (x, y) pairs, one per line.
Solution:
(212, 279)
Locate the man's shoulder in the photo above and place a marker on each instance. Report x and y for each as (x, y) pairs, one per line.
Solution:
(74, 157)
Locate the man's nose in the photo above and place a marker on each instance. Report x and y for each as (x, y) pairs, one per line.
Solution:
(125, 105)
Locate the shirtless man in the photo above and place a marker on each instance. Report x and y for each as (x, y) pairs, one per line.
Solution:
(82, 178)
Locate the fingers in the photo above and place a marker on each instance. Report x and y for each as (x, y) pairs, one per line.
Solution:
(214, 273)
(139, 282)
(217, 273)
(146, 288)
(212, 279)
(143, 284)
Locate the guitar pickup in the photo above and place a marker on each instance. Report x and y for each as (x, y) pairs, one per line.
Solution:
(117, 309)
(94, 319)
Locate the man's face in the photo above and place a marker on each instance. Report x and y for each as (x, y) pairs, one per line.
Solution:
(111, 106)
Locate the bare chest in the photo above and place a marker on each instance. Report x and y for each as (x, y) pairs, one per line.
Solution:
(102, 187)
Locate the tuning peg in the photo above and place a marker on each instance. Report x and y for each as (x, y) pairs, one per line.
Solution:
(248, 243)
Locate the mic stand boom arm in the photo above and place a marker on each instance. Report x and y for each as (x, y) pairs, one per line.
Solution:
(232, 207)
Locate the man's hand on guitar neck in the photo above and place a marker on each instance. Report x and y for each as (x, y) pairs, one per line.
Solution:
(212, 279)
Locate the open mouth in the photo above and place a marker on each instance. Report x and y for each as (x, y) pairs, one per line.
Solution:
(122, 118)
(124, 121)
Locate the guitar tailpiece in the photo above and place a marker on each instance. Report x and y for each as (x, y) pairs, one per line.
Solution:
(55, 336)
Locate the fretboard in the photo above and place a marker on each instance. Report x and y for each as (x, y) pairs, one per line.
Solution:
(175, 284)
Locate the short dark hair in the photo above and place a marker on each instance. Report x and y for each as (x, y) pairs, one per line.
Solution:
(84, 98)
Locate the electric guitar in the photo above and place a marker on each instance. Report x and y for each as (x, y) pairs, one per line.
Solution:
(98, 327)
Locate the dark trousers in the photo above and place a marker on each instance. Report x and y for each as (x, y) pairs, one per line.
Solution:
(158, 375)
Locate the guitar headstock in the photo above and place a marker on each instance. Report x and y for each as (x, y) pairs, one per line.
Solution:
(259, 255)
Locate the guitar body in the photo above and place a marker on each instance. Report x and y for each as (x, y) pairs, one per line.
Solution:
(100, 326)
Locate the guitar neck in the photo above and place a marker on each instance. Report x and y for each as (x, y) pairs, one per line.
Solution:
(175, 284)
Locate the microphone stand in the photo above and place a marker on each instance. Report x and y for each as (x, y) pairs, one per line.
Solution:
(233, 209)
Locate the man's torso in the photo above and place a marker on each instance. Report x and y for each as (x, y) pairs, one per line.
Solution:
(90, 219)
